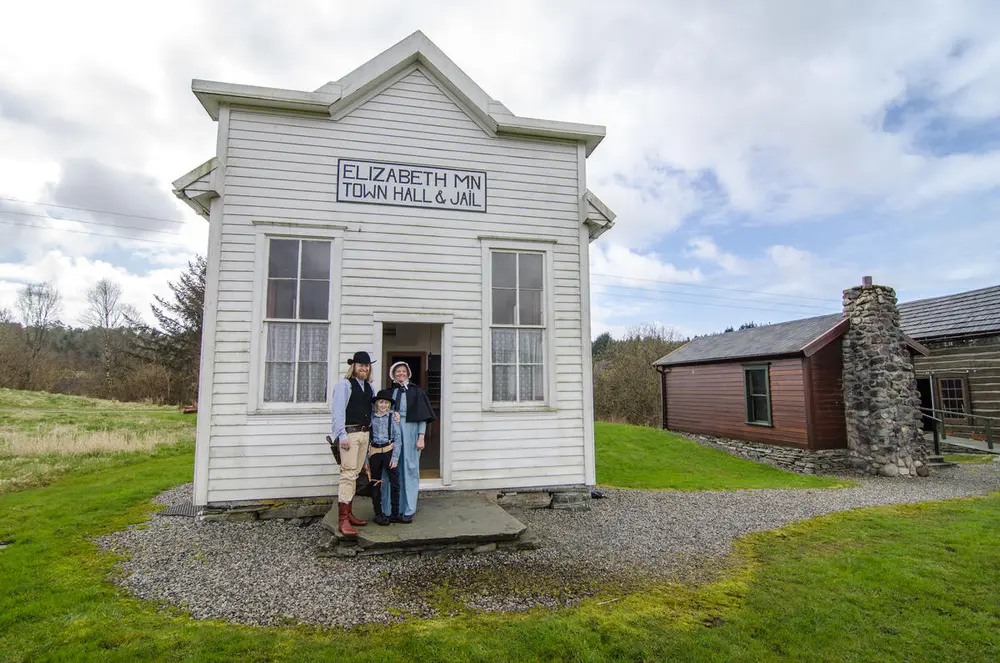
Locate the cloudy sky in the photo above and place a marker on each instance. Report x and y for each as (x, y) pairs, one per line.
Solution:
(761, 156)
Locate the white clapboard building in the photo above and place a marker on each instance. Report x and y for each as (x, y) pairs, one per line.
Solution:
(402, 211)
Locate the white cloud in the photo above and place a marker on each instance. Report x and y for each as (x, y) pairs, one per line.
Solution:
(705, 248)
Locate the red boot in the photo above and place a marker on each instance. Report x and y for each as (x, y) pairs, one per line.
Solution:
(345, 520)
(354, 520)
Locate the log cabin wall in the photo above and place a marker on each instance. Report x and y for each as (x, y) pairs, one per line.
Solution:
(710, 399)
(976, 362)
(825, 370)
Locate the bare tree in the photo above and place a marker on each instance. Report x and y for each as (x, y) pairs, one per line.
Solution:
(106, 311)
(6, 316)
(38, 306)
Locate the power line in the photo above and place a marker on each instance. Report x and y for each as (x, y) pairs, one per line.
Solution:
(718, 297)
(95, 223)
(678, 301)
(95, 211)
(711, 287)
(90, 232)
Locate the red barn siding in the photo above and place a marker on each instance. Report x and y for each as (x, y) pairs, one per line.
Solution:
(829, 428)
(709, 399)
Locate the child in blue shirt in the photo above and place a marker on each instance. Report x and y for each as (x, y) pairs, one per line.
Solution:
(383, 456)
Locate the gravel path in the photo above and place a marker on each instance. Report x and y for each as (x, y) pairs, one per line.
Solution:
(267, 572)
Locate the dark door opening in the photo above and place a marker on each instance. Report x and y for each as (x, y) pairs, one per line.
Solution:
(924, 387)
(425, 368)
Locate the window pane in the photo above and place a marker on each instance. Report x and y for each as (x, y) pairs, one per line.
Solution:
(280, 298)
(312, 383)
(316, 260)
(283, 261)
(530, 387)
(504, 300)
(315, 304)
(280, 341)
(758, 381)
(530, 271)
(278, 382)
(504, 270)
(504, 349)
(529, 349)
(504, 379)
(313, 343)
(760, 412)
(530, 309)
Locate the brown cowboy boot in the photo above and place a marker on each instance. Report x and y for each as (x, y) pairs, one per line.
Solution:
(354, 520)
(345, 522)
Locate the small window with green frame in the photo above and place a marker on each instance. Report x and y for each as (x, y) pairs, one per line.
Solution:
(757, 388)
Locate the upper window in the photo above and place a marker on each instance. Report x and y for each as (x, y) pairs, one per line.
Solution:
(297, 321)
(758, 394)
(518, 326)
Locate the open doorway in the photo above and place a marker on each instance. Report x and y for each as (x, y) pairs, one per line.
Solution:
(926, 402)
(419, 345)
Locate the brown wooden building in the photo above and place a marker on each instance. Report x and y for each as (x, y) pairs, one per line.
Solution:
(961, 373)
(779, 384)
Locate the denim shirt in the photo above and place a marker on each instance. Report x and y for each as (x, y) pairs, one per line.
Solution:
(380, 433)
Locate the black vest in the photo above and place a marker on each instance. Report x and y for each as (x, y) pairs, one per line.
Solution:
(359, 405)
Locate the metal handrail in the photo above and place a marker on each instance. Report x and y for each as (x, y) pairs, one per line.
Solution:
(943, 435)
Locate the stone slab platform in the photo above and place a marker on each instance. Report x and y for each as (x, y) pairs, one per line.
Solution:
(440, 520)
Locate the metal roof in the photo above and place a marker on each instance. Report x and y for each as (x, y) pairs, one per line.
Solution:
(973, 312)
(766, 341)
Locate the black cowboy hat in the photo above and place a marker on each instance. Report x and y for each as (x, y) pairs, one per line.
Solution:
(361, 357)
(383, 395)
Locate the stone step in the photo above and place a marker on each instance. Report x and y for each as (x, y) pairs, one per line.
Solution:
(938, 462)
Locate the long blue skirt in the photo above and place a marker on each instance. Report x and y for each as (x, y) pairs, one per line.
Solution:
(409, 473)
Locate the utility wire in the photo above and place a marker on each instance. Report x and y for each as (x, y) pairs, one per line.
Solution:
(90, 232)
(95, 223)
(711, 287)
(87, 209)
(717, 297)
(679, 301)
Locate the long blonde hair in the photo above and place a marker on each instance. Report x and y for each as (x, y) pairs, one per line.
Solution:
(350, 372)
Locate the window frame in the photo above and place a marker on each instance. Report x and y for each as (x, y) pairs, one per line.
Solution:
(966, 400)
(519, 245)
(747, 395)
(258, 339)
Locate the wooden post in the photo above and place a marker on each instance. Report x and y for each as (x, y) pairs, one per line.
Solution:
(663, 398)
(937, 438)
(989, 436)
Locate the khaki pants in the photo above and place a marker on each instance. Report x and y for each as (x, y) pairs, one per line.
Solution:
(352, 461)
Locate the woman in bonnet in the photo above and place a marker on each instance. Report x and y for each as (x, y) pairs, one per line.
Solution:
(415, 413)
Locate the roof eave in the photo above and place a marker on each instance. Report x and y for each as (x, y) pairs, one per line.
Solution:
(590, 135)
(212, 94)
(729, 360)
(827, 337)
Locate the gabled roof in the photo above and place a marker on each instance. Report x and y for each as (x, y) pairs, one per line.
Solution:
(784, 338)
(333, 98)
(973, 312)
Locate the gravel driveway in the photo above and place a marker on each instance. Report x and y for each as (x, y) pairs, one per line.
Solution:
(267, 572)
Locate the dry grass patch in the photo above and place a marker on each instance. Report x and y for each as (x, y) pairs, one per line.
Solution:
(70, 440)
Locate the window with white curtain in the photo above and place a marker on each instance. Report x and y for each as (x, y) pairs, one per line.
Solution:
(297, 321)
(518, 326)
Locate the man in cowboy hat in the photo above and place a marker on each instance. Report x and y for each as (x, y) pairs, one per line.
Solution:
(352, 414)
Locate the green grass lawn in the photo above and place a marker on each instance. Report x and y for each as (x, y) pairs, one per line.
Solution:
(639, 457)
(902, 583)
(970, 459)
(913, 583)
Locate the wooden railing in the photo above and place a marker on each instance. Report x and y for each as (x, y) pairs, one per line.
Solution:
(939, 424)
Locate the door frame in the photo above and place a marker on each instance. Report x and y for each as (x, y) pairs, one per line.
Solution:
(446, 320)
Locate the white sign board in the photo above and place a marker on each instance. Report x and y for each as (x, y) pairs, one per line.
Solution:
(407, 185)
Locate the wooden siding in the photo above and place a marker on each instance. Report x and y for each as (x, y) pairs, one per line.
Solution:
(283, 167)
(709, 399)
(976, 359)
(828, 427)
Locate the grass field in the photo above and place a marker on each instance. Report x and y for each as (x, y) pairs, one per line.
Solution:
(914, 583)
(45, 436)
(970, 459)
(638, 457)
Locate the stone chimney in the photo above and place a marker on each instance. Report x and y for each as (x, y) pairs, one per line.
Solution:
(881, 401)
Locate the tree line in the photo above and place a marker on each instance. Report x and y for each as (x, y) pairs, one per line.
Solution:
(114, 354)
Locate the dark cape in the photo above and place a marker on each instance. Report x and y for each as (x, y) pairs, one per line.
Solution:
(418, 405)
